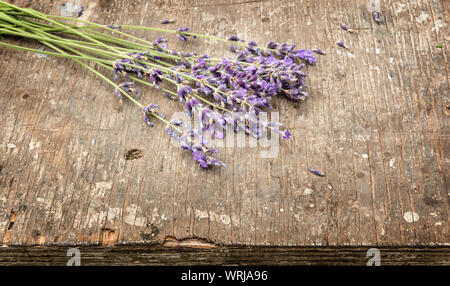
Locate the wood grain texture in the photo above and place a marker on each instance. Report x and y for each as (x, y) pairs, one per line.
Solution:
(376, 124)
(156, 255)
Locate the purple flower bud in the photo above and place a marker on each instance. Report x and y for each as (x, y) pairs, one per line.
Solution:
(234, 38)
(233, 49)
(272, 45)
(126, 84)
(177, 122)
(183, 91)
(341, 44)
(344, 27)
(167, 21)
(316, 172)
(287, 134)
(197, 155)
(182, 38)
(151, 109)
(118, 94)
(159, 40)
(80, 11)
(306, 55)
(319, 51)
(114, 27)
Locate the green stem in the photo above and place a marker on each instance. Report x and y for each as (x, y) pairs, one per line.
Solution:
(44, 17)
(115, 86)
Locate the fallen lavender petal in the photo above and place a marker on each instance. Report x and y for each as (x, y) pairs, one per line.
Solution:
(316, 172)
(341, 44)
(167, 21)
(79, 12)
(319, 51)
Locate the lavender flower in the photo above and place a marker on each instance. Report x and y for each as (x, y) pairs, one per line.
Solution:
(233, 49)
(272, 45)
(222, 93)
(177, 122)
(79, 12)
(129, 87)
(151, 109)
(156, 76)
(307, 56)
(114, 27)
(159, 41)
(319, 51)
(183, 91)
(341, 44)
(234, 38)
(287, 135)
(119, 95)
(167, 21)
(183, 37)
(193, 141)
(316, 172)
(346, 28)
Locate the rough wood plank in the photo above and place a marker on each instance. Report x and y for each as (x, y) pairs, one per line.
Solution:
(376, 123)
(201, 255)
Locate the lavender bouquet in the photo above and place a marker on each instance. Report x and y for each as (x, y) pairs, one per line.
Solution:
(222, 93)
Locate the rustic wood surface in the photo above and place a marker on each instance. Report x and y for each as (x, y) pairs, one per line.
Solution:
(157, 255)
(376, 124)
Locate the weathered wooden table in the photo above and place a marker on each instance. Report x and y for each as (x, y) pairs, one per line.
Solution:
(376, 124)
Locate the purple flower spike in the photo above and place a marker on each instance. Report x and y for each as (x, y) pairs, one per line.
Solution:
(316, 172)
